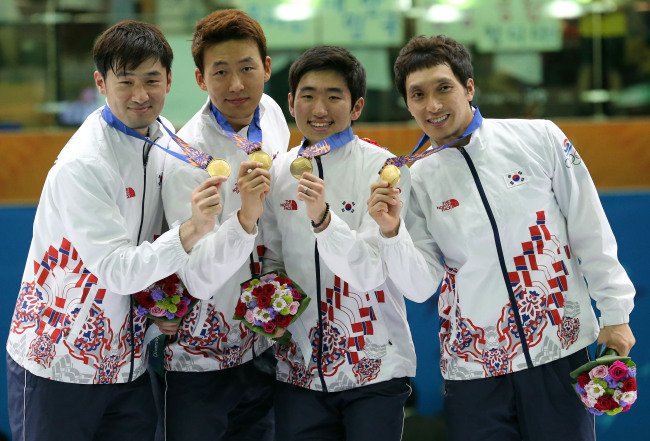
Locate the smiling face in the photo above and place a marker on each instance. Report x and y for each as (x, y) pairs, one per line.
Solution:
(234, 77)
(323, 105)
(439, 102)
(136, 96)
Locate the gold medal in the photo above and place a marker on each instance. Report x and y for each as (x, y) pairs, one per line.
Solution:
(263, 157)
(391, 174)
(299, 166)
(218, 167)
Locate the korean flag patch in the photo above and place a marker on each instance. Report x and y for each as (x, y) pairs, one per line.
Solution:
(515, 178)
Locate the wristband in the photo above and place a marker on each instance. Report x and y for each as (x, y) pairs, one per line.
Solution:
(327, 210)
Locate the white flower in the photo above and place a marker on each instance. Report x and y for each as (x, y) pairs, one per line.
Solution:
(278, 304)
(261, 314)
(594, 390)
(246, 296)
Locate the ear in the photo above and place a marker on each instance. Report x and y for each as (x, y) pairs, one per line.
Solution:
(291, 111)
(200, 80)
(169, 81)
(100, 83)
(356, 109)
(267, 69)
(470, 89)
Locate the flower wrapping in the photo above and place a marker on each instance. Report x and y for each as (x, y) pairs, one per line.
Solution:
(607, 384)
(166, 300)
(269, 304)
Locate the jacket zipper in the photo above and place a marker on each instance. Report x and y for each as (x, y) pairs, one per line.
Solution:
(146, 148)
(502, 261)
(319, 359)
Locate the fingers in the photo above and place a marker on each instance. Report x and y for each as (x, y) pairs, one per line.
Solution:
(167, 328)
(253, 178)
(310, 188)
(382, 197)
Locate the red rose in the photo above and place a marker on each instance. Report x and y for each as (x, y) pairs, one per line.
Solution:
(246, 285)
(606, 402)
(263, 301)
(629, 385)
(296, 295)
(145, 299)
(181, 309)
(283, 320)
(283, 281)
(269, 327)
(269, 289)
(187, 295)
(257, 291)
(173, 278)
(169, 289)
(583, 379)
(240, 309)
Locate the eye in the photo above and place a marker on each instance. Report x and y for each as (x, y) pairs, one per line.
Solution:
(248, 69)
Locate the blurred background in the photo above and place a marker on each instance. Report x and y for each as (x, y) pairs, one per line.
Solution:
(583, 64)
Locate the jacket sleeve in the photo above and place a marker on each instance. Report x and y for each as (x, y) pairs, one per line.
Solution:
(84, 192)
(354, 254)
(590, 236)
(271, 236)
(412, 257)
(220, 253)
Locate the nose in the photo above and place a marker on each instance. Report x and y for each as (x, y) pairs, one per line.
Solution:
(320, 108)
(236, 84)
(140, 94)
(433, 105)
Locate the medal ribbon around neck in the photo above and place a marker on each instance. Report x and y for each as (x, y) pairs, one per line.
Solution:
(254, 141)
(326, 145)
(303, 164)
(399, 161)
(192, 156)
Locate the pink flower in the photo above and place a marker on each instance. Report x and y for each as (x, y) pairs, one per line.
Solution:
(250, 318)
(588, 400)
(293, 308)
(269, 327)
(599, 371)
(181, 309)
(618, 370)
(157, 311)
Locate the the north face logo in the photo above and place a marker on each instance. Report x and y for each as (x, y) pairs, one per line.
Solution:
(130, 193)
(236, 188)
(448, 205)
(289, 204)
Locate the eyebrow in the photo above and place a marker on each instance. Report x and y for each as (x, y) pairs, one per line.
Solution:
(313, 89)
(153, 73)
(441, 80)
(225, 63)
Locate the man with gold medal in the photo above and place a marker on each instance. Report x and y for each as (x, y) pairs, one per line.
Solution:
(214, 360)
(317, 229)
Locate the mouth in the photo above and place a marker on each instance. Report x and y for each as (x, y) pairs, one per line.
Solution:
(320, 125)
(439, 119)
(237, 101)
(140, 109)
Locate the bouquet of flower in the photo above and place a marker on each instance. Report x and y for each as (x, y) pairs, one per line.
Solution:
(607, 384)
(166, 300)
(269, 304)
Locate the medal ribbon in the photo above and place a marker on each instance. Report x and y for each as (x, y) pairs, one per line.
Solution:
(192, 156)
(254, 141)
(399, 161)
(326, 145)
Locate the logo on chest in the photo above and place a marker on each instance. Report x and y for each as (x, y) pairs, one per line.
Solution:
(347, 207)
(448, 205)
(515, 178)
(289, 204)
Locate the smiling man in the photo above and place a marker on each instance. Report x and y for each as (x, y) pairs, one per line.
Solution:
(352, 380)
(511, 228)
(76, 361)
(218, 373)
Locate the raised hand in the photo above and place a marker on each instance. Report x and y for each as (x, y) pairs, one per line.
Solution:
(384, 206)
(206, 204)
(254, 184)
(311, 190)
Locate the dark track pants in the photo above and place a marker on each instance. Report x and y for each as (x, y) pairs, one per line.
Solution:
(47, 410)
(367, 413)
(537, 404)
